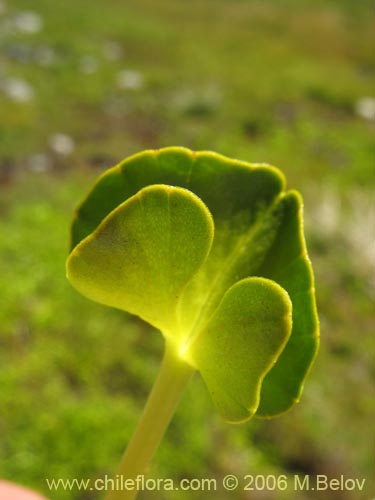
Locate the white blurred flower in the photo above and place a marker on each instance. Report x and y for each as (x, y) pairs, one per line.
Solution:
(130, 79)
(360, 227)
(61, 144)
(365, 108)
(327, 214)
(17, 90)
(28, 22)
(352, 221)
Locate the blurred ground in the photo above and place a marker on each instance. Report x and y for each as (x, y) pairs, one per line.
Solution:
(84, 84)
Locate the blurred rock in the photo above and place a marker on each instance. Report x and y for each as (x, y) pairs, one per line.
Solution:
(61, 144)
(130, 80)
(365, 108)
(28, 22)
(18, 52)
(17, 90)
(25, 53)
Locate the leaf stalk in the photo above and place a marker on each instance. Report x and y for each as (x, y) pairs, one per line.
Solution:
(173, 377)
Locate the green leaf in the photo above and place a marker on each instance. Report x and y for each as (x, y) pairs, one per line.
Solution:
(228, 187)
(143, 253)
(258, 233)
(287, 263)
(240, 343)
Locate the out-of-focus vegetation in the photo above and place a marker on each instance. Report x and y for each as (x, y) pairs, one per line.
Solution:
(84, 84)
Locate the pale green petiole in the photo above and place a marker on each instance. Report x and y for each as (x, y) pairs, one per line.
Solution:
(173, 377)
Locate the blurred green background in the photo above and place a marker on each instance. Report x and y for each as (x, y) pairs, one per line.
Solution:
(84, 84)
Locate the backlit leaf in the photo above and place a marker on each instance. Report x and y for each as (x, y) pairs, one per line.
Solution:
(258, 235)
(240, 343)
(142, 255)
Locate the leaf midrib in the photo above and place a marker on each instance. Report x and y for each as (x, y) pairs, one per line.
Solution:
(221, 276)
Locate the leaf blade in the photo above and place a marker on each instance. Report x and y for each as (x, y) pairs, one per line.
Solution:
(132, 261)
(225, 185)
(258, 232)
(240, 344)
(289, 265)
